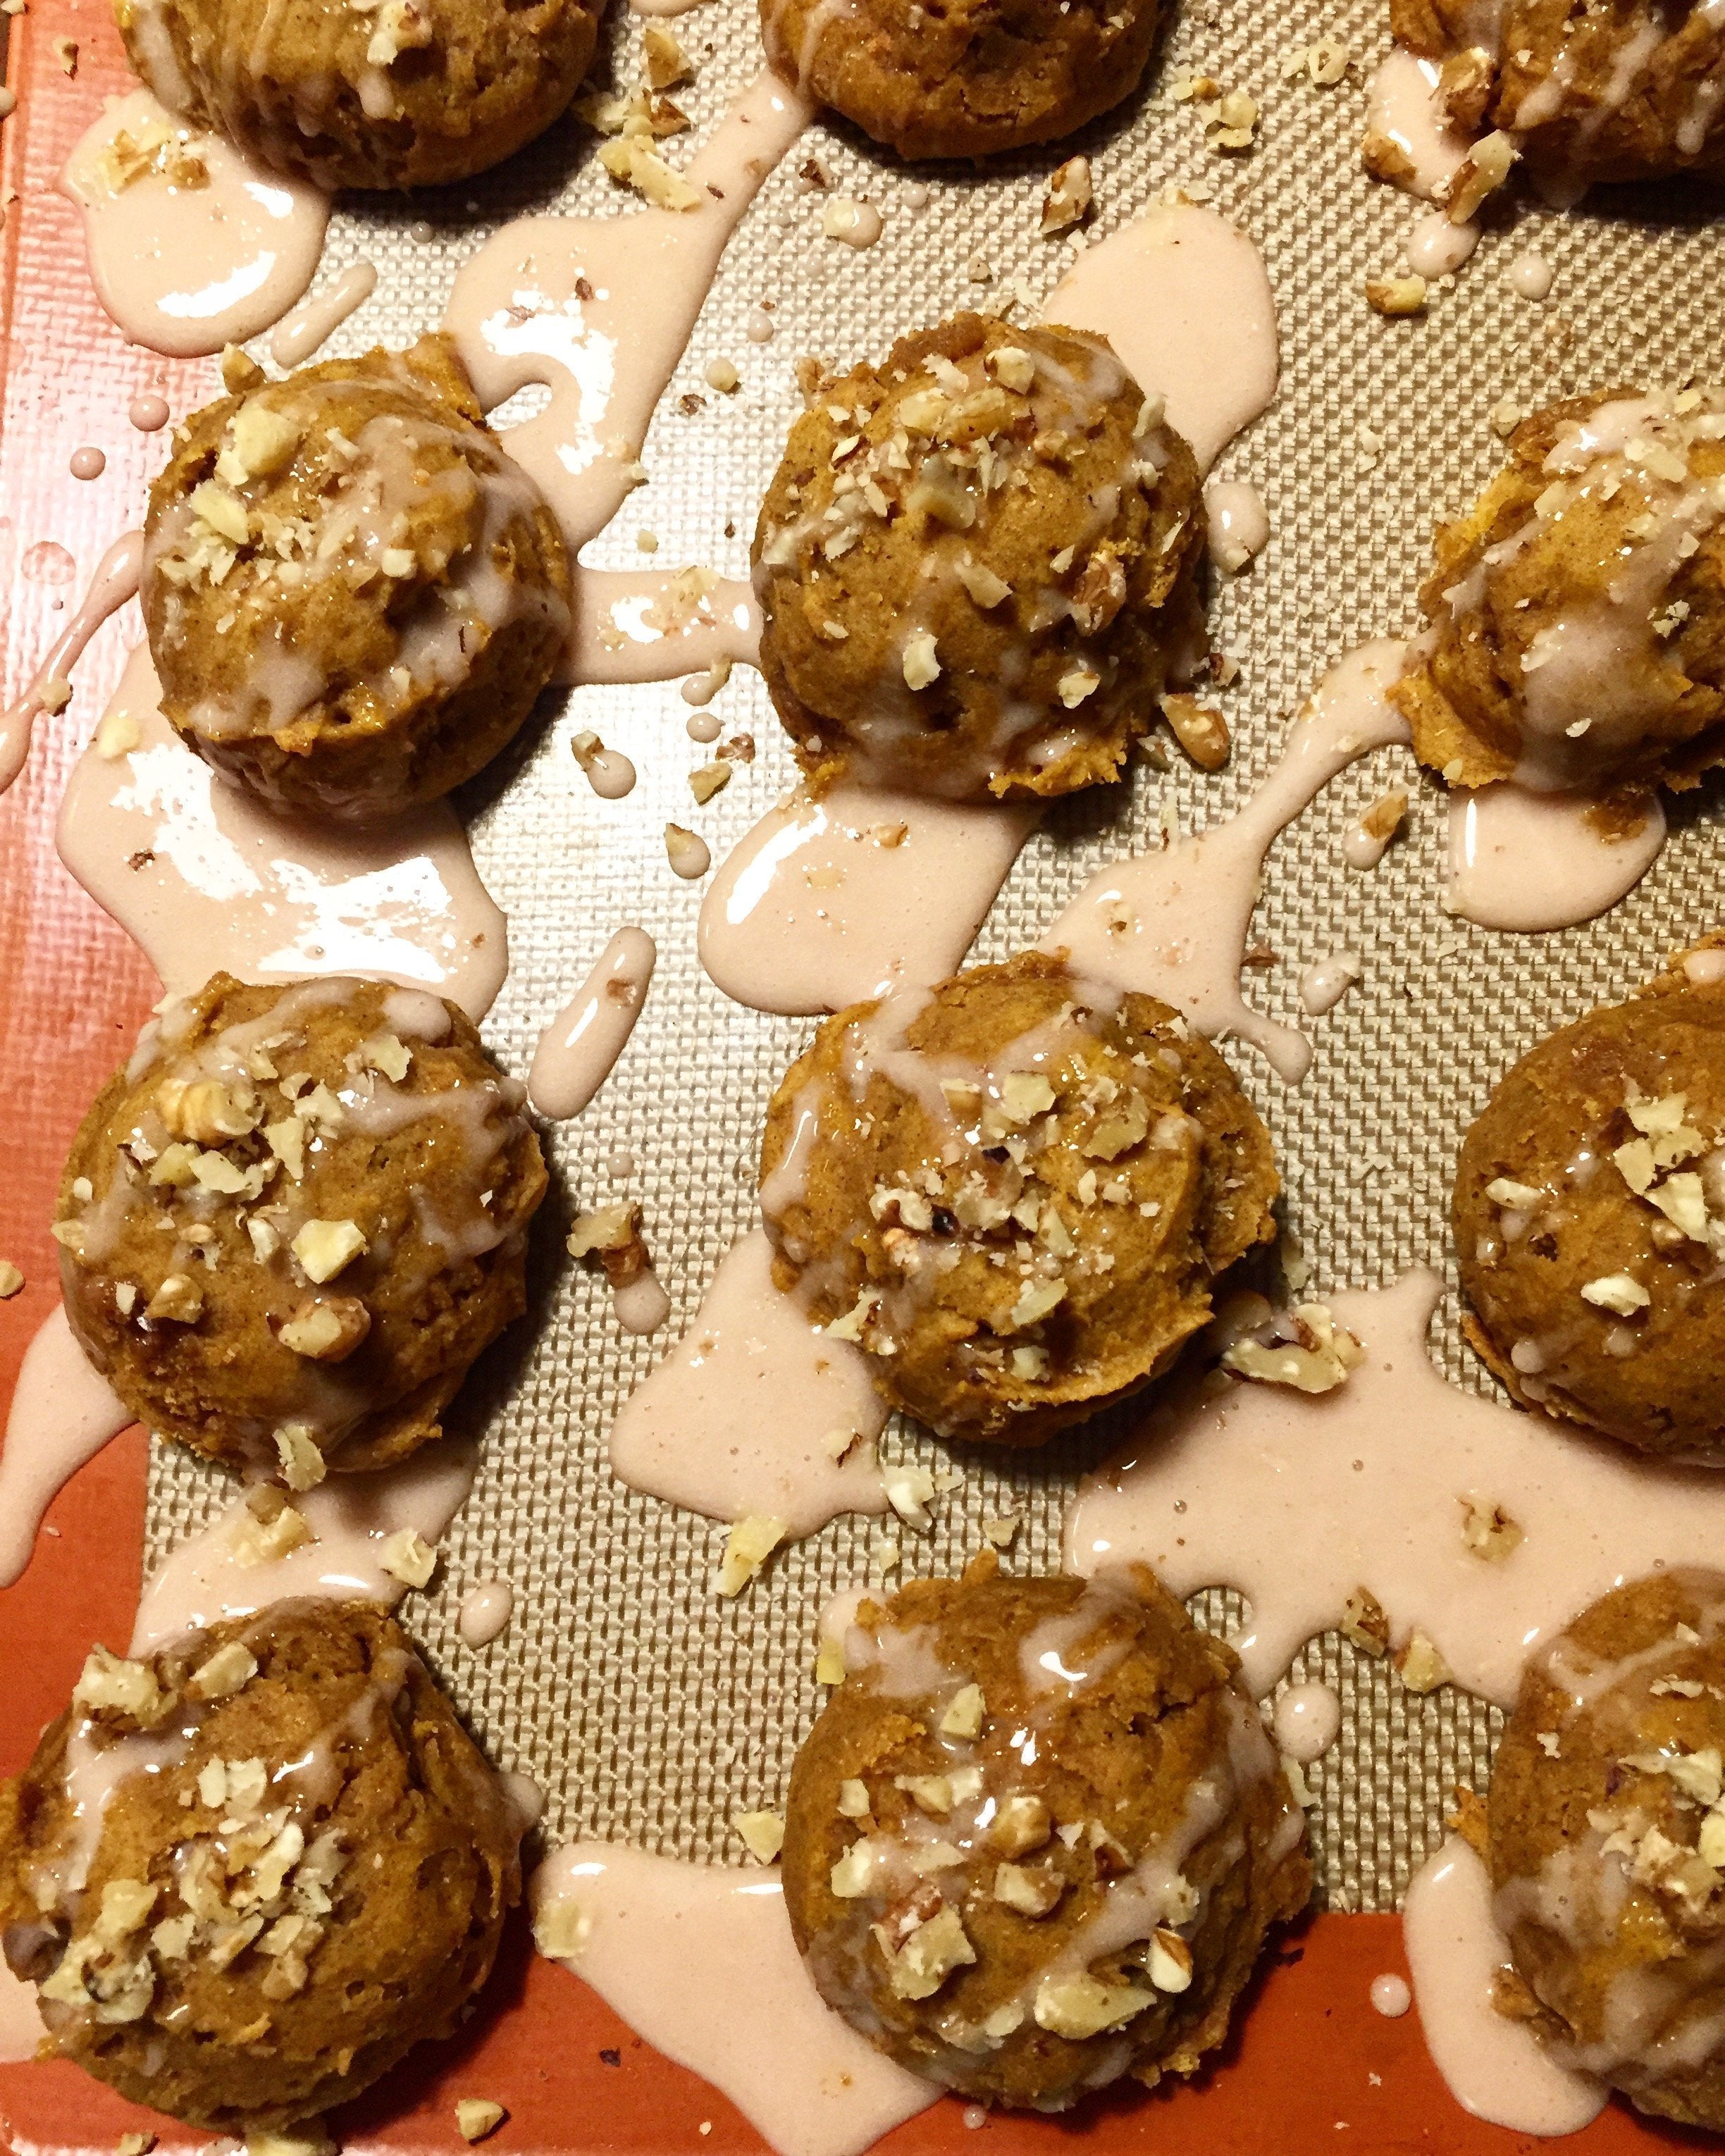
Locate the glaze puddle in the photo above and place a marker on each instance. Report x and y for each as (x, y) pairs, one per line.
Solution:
(207, 1576)
(1183, 298)
(1528, 861)
(203, 877)
(645, 625)
(699, 1960)
(736, 1421)
(1297, 1502)
(825, 903)
(1173, 924)
(578, 1050)
(1496, 2068)
(600, 309)
(62, 1415)
(115, 581)
(187, 270)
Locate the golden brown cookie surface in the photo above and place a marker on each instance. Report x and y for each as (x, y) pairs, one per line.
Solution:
(1037, 1837)
(1014, 1191)
(354, 596)
(1608, 1842)
(404, 94)
(313, 1877)
(976, 77)
(978, 565)
(292, 1223)
(1577, 611)
(1589, 1213)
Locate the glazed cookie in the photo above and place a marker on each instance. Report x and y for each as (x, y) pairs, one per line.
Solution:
(354, 596)
(1015, 1191)
(291, 1222)
(1577, 612)
(1026, 1918)
(248, 1872)
(1589, 1218)
(1630, 90)
(391, 94)
(964, 80)
(1608, 1843)
(978, 565)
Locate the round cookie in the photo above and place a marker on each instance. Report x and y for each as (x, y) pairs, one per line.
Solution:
(291, 1222)
(1015, 1191)
(354, 596)
(967, 79)
(1577, 611)
(1632, 90)
(1589, 1220)
(302, 1869)
(1037, 1837)
(399, 93)
(1608, 1840)
(978, 565)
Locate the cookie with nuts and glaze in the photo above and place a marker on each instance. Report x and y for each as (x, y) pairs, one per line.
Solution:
(1607, 1843)
(1036, 1839)
(392, 93)
(290, 1223)
(966, 80)
(1589, 1222)
(1628, 89)
(978, 565)
(1576, 612)
(1015, 1191)
(247, 1872)
(354, 596)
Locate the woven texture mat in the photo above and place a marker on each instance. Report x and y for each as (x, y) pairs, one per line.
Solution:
(649, 1709)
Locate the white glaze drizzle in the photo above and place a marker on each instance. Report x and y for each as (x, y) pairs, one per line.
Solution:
(699, 1962)
(203, 876)
(825, 903)
(741, 1417)
(188, 270)
(578, 1050)
(1173, 924)
(62, 1415)
(1297, 1501)
(320, 315)
(1183, 298)
(600, 310)
(115, 581)
(1495, 2067)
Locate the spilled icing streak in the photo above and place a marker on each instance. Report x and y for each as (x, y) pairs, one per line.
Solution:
(735, 1420)
(699, 1960)
(320, 316)
(22, 2028)
(206, 1579)
(1297, 1501)
(115, 581)
(188, 270)
(1524, 860)
(600, 310)
(1173, 924)
(579, 1048)
(1495, 2067)
(203, 876)
(633, 626)
(62, 1415)
(824, 903)
(1183, 298)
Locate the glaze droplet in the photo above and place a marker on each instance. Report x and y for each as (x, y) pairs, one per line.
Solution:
(148, 413)
(88, 464)
(1390, 1995)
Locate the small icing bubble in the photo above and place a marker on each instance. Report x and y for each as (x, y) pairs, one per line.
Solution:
(703, 727)
(148, 412)
(88, 464)
(1532, 276)
(758, 329)
(1390, 1995)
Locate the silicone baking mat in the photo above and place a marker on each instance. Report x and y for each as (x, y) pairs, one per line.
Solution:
(648, 1709)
